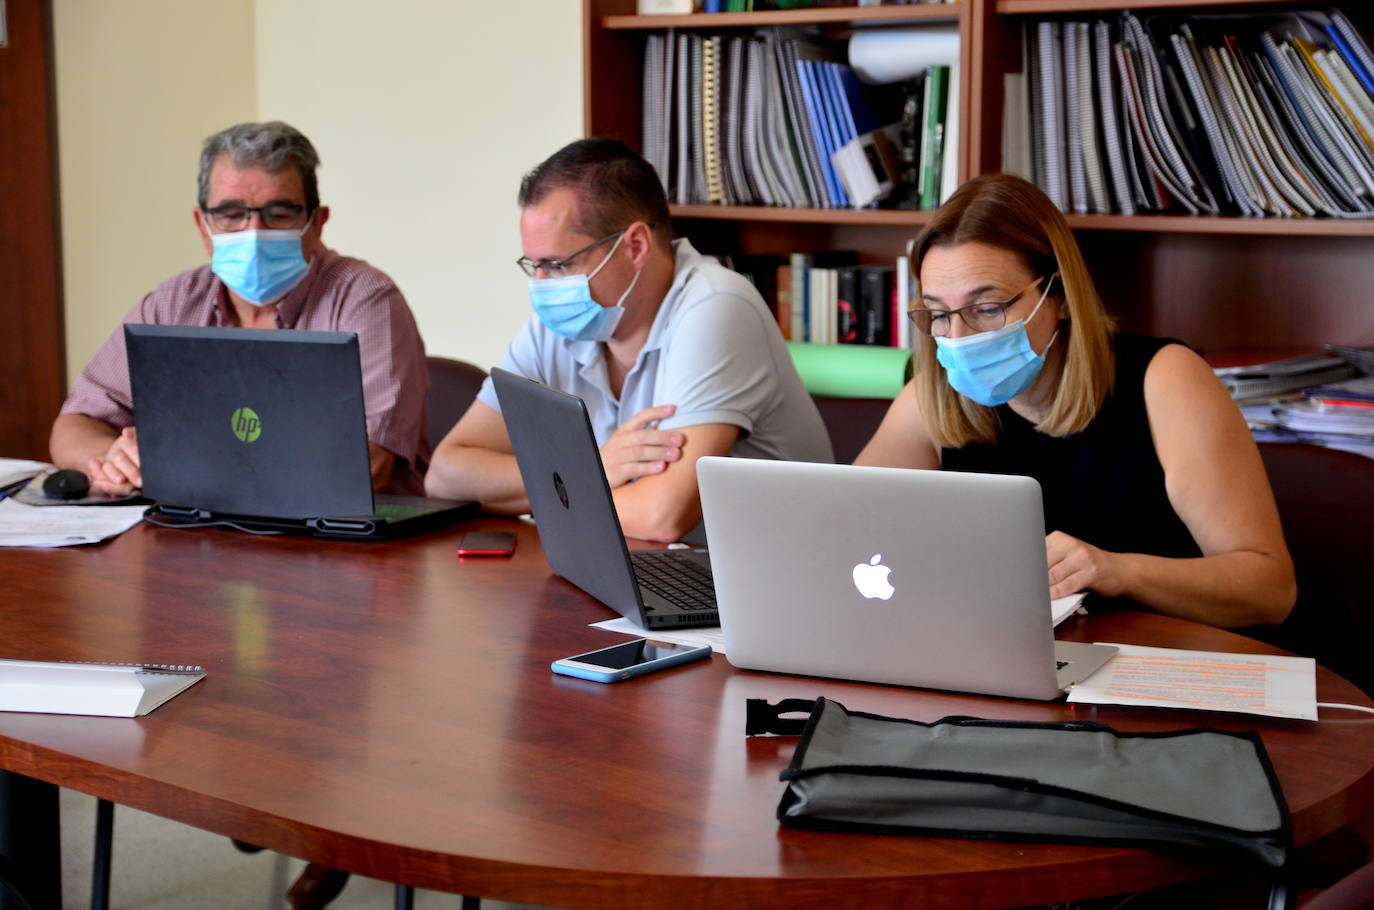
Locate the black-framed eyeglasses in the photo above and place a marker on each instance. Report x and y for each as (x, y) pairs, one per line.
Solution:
(558, 268)
(275, 216)
(984, 316)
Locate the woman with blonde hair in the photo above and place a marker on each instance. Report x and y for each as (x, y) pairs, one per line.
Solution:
(1153, 487)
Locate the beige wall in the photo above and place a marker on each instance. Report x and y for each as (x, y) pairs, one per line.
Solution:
(139, 84)
(425, 114)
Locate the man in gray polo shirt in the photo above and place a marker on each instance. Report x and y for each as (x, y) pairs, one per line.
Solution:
(676, 356)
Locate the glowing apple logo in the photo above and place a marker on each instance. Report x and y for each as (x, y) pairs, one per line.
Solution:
(871, 578)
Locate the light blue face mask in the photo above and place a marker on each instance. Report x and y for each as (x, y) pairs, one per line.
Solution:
(260, 266)
(994, 367)
(566, 307)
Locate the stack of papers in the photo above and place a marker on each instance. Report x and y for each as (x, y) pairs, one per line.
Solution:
(13, 470)
(63, 526)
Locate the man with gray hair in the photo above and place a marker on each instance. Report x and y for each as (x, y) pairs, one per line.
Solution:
(259, 216)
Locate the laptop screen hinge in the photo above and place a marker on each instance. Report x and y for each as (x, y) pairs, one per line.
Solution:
(362, 527)
(185, 513)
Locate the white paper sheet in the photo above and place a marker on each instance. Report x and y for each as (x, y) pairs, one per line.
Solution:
(13, 470)
(1204, 680)
(63, 526)
(1061, 608)
(707, 635)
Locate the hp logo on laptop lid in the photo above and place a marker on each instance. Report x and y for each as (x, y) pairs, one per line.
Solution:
(246, 424)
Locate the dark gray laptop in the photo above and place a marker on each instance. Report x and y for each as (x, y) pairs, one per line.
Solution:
(262, 429)
(560, 464)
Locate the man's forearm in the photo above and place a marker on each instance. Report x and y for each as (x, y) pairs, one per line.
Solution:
(469, 473)
(660, 514)
(76, 439)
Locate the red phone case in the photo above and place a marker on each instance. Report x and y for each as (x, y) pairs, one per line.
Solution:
(489, 547)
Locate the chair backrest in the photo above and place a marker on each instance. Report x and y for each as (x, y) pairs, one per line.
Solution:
(1326, 504)
(453, 384)
(851, 423)
(1354, 892)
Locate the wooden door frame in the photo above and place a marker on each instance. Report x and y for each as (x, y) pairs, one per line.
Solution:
(32, 361)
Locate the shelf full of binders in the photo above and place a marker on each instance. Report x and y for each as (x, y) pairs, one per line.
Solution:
(802, 122)
(1255, 123)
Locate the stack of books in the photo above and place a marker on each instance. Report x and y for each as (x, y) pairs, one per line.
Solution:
(1259, 115)
(775, 119)
(829, 298)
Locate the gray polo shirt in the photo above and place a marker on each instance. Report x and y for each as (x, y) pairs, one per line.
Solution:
(714, 350)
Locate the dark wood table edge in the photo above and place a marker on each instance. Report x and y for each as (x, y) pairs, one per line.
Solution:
(1102, 871)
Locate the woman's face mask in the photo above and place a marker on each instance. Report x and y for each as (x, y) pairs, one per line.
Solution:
(994, 367)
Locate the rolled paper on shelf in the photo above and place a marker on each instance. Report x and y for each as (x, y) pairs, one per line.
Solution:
(883, 55)
(850, 370)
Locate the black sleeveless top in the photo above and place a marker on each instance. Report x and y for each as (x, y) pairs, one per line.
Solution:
(1104, 485)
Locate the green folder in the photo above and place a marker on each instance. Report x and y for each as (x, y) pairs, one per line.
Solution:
(850, 370)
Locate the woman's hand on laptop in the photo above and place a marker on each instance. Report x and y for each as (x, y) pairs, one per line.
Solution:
(1077, 566)
(118, 472)
(637, 449)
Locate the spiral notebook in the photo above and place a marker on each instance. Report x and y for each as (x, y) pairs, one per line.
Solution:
(104, 690)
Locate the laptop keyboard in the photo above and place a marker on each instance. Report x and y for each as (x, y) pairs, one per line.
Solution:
(684, 582)
(394, 511)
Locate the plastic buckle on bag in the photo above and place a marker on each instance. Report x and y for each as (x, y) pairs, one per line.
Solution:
(760, 717)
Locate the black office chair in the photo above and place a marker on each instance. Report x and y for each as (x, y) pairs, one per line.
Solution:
(453, 384)
(1325, 499)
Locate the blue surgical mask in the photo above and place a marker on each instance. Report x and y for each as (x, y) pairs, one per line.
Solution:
(260, 266)
(566, 307)
(994, 367)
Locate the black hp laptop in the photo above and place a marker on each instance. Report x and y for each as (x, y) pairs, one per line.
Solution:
(560, 464)
(262, 429)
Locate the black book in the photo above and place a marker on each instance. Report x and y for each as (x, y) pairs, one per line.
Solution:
(847, 292)
(875, 305)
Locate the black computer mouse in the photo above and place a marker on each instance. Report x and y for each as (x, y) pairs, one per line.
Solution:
(66, 484)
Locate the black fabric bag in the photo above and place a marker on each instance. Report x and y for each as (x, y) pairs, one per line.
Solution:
(1077, 782)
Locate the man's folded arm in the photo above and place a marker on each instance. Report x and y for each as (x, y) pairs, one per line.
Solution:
(666, 506)
(475, 462)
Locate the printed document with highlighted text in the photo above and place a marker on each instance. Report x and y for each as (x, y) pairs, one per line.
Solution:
(1204, 680)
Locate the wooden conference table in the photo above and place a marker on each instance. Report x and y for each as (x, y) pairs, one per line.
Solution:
(387, 709)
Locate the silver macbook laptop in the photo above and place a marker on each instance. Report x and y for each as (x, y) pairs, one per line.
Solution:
(917, 578)
(560, 464)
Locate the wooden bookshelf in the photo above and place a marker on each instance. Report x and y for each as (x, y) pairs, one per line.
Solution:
(1220, 284)
(890, 217)
(939, 12)
(1207, 224)
(1078, 7)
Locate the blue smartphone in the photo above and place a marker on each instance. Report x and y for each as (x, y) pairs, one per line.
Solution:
(633, 658)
